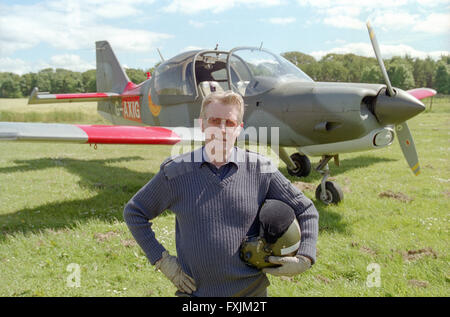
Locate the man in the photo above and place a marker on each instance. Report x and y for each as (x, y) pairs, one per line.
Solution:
(215, 193)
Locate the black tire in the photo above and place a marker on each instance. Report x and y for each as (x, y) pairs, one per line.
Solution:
(334, 193)
(303, 165)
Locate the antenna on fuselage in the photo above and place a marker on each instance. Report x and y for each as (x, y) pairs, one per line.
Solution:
(260, 47)
(160, 55)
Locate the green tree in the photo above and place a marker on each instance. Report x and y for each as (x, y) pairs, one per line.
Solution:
(423, 72)
(11, 87)
(27, 83)
(372, 74)
(44, 79)
(400, 73)
(305, 62)
(137, 76)
(332, 71)
(442, 77)
(89, 80)
(64, 81)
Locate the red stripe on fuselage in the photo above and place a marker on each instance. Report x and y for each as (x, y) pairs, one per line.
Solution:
(101, 134)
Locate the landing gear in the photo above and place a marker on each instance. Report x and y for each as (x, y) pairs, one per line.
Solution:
(302, 164)
(328, 192)
(297, 164)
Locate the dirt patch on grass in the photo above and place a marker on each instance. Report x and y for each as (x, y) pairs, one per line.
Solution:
(367, 250)
(128, 243)
(101, 237)
(413, 255)
(305, 186)
(363, 248)
(323, 279)
(398, 196)
(418, 283)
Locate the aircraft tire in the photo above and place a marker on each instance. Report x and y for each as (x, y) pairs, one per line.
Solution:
(303, 165)
(334, 193)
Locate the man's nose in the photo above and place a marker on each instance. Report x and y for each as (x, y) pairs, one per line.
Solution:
(223, 125)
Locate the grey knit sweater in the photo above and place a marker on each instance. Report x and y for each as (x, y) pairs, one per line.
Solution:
(213, 216)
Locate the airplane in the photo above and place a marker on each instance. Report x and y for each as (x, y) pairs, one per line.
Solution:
(321, 119)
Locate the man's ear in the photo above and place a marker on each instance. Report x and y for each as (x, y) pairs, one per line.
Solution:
(200, 122)
(239, 129)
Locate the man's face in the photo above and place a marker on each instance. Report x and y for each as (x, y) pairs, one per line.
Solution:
(221, 127)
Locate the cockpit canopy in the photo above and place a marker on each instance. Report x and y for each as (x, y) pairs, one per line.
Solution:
(259, 70)
(247, 71)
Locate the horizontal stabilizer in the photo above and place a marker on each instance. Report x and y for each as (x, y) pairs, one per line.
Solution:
(37, 97)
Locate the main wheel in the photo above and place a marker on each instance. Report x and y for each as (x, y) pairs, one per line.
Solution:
(303, 165)
(333, 195)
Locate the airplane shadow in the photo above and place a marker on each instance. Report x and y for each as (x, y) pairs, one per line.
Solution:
(113, 185)
(345, 165)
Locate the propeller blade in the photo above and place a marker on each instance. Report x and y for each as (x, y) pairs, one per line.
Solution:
(408, 148)
(376, 48)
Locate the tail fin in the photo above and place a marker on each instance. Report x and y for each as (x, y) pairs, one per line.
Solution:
(110, 75)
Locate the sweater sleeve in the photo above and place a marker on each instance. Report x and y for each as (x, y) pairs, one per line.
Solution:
(281, 188)
(149, 202)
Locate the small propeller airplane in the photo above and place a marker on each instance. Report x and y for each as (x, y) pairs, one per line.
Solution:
(317, 118)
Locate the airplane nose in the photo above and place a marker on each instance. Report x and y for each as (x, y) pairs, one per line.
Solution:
(398, 108)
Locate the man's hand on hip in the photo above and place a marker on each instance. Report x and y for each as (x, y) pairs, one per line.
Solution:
(290, 265)
(170, 267)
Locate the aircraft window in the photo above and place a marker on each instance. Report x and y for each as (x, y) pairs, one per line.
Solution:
(211, 66)
(220, 75)
(259, 71)
(175, 78)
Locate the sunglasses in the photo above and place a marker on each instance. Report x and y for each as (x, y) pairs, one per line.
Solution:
(217, 122)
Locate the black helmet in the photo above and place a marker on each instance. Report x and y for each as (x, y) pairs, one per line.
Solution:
(279, 235)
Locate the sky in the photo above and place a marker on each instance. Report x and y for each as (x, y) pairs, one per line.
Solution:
(61, 33)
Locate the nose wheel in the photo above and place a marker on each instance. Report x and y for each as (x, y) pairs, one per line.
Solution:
(327, 192)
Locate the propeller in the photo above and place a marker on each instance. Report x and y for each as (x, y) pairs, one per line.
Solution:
(389, 115)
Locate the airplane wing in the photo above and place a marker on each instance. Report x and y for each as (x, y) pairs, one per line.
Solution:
(421, 93)
(97, 134)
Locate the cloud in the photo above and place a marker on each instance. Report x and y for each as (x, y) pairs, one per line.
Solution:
(72, 62)
(403, 14)
(434, 23)
(191, 48)
(281, 21)
(394, 20)
(387, 51)
(196, 24)
(215, 6)
(69, 25)
(14, 65)
(346, 22)
(66, 61)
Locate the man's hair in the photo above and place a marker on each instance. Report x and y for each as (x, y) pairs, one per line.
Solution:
(226, 98)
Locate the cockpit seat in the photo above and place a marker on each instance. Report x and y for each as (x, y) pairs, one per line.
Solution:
(207, 87)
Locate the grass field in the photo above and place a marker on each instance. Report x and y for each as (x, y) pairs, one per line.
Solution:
(62, 230)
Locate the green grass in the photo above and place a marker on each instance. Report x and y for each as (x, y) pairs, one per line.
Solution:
(75, 112)
(62, 204)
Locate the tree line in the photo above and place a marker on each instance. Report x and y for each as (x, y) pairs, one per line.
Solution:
(404, 72)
